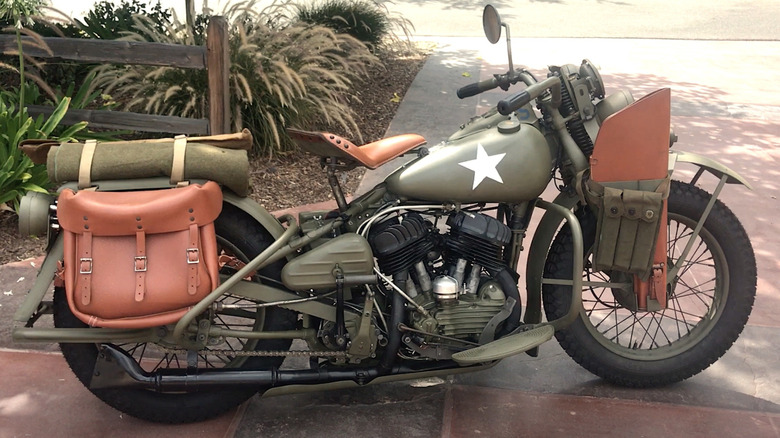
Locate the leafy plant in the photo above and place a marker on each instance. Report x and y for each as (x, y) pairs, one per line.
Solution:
(108, 21)
(362, 19)
(20, 12)
(370, 21)
(85, 96)
(79, 98)
(18, 174)
(282, 74)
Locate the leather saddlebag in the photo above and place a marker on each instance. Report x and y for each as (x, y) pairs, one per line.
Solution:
(139, 259)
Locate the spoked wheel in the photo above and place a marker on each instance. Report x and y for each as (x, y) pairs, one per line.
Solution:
(708, 302)
(237, 236)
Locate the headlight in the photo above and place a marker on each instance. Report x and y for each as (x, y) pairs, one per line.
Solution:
(34, 214)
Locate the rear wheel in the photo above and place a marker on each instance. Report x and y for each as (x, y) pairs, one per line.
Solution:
(239, 236)
(708, 303)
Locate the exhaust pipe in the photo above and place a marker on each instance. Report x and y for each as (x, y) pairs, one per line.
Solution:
(116, 369)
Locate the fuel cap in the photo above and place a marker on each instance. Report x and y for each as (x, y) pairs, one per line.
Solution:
(509, 126)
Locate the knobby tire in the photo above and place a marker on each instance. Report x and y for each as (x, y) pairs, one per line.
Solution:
(693, 345)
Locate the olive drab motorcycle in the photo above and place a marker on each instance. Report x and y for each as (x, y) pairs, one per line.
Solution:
(176, 297)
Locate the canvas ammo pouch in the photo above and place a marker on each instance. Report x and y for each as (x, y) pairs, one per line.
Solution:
(627, 224)
(139, 259)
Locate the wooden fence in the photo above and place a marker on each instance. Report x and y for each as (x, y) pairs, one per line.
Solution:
(215, 58)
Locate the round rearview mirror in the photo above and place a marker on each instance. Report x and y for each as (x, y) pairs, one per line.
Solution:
(491, 23)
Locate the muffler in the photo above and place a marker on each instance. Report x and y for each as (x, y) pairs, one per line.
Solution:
(114, 368)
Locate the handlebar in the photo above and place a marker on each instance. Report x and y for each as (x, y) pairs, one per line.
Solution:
(503, 81)
(507, 106)
(477, 87)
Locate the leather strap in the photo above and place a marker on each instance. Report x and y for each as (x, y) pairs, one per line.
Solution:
(193, 259)
(177, 167)
(85, 164)
(140, 265)
(579, 183)
(85, 267)
(664, 187)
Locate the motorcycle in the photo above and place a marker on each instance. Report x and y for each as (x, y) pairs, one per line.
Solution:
(643, 280)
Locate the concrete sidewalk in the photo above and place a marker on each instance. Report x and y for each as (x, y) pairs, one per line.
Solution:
(724, 105)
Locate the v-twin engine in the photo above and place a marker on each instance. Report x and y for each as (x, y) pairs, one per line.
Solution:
(459, 277)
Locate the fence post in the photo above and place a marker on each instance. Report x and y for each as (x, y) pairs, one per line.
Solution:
(218, 66)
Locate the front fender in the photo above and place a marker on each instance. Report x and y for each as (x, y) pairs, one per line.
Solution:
(708, 164)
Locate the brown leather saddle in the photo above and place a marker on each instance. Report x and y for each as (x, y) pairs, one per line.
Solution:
(371, 155)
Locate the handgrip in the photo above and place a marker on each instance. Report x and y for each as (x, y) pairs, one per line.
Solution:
(477, 87)
(507, 106)
(519, 100)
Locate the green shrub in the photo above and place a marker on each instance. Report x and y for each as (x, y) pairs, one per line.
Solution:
(105, 20)
(19, 13)
(108, 21)
(369, 21)
(362, 19)
(18, 174)
(281, 75)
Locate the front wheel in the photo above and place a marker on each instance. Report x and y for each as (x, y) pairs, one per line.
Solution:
(708, 303)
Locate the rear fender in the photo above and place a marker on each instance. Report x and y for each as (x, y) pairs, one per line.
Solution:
(256, 211)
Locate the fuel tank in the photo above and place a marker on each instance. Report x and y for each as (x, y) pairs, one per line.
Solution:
(508, 162)
(492, 118)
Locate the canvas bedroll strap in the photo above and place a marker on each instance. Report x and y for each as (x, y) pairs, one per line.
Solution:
(177, 168)
(85, 164)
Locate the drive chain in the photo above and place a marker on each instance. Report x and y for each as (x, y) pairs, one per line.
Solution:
(266, 353)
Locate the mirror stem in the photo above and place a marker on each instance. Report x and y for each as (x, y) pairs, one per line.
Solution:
(509, 51)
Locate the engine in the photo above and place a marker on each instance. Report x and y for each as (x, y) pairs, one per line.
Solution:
(456, 276)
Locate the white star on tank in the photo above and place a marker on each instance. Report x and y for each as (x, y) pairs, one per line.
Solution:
(484, 166)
